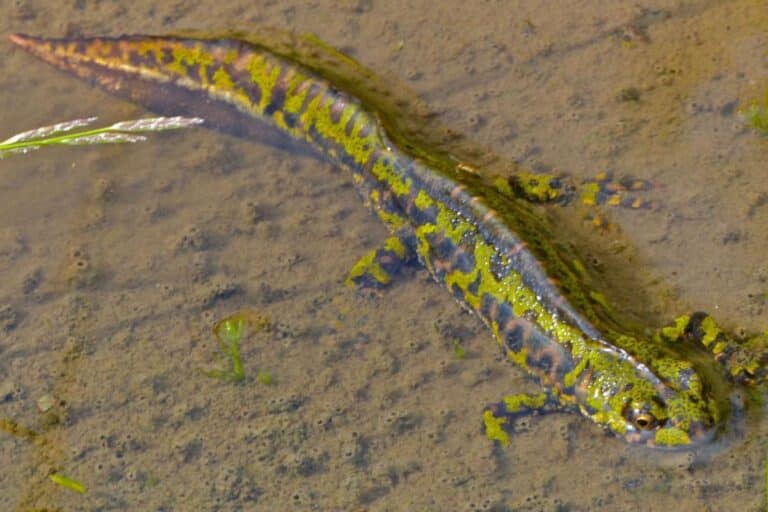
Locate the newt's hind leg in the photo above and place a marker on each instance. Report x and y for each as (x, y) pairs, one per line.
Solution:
(499, 418)
(603, 189)
(536, 188)
(745, 359)
(377, 268)
(624, 192)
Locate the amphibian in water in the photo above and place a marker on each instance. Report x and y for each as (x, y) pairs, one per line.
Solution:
(478, 238)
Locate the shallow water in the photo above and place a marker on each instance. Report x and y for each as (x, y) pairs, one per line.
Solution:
(116, 261)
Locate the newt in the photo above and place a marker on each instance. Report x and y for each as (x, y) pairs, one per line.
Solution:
(479, 238)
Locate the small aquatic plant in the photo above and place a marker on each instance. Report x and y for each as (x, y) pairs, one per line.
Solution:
(63, 134)
(756, 115)
(265, 377)
(229, 333)
(459, 352)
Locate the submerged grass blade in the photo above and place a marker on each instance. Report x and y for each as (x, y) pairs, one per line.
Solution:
(103, 138)
(156, 124)
(121, 132)
(67, 482)
(49, 131)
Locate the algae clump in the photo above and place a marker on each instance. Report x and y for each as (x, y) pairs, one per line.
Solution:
(756, 115)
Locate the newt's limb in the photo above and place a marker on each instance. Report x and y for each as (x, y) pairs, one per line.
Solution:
(499, 418)
(377, 268)
(746, 360)
(536, 188)
(603, 189)
(624, 192)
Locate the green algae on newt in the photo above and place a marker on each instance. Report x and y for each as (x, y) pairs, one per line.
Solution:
(482, 240)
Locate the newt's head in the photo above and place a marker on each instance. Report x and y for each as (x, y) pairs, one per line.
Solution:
(666, 405)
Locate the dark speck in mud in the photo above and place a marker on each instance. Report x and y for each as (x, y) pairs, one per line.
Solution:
(32, 281)
(216, 290)
(400, 423)
(732, 237)
(253, 213)
(372, 494)
(291, 259)
(285, 404)
(729, 108)
(8, 392)
(155, 212)
(760, 200)
(269, 295)
(306, 465)
(196, 413)
(629, 94)
(193, 239)
(191, 451)
(357, 450)
(9, 318)
(633, 484)
(80, 272)
(237, 484)
(283, 331)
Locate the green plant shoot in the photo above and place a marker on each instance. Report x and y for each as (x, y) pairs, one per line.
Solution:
(229, 333)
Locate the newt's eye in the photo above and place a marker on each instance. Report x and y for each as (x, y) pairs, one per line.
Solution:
(644, 421)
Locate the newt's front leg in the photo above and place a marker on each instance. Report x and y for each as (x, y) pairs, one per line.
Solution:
(746, 360)
(603, 189)
(499, 418)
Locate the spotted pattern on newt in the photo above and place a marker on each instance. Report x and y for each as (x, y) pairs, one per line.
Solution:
(479, 239)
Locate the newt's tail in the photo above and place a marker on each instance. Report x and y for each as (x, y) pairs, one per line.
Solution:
(140, 69)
